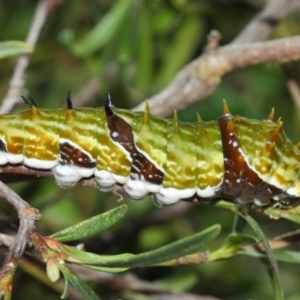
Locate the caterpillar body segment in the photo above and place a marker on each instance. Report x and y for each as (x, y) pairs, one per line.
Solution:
(250, 162)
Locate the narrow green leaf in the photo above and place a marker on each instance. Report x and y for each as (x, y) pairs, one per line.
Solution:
(82, 257)
(232, 246)
(274, 267)
(91, 226)
(239, 240)
(65, 293)
(14, 48)
(104, 31)
(287, 256)
(280, 255)
(239, 224)
(84, 290)
(292, 214)
(104, 269)
(227, 205)
(174, 250)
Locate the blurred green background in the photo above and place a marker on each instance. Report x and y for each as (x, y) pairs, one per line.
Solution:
(135, 47)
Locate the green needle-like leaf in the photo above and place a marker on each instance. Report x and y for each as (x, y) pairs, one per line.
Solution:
(287, 256)
(280, 255)
(91, 226)
(80, 286)
(66, 288)
(14, 48)
(80, 257)
(232, 246)
(104, 269)
(292, 214)
(120, 262)
(174, 250)
(274, 267)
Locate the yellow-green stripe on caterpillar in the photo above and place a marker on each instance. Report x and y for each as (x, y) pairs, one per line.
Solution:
(250, 162)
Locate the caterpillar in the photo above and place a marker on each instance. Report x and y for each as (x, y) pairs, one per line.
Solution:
(249, 162)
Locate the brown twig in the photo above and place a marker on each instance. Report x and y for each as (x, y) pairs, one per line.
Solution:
(199, 78)
(215, 64)
(262, 25)
(27, 216)
(16, 85)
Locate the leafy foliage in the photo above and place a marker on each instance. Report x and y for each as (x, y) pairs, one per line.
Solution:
(14, 48)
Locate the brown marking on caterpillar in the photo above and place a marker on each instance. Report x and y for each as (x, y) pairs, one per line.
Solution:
(70, 155)
(240, 183)
(121, 132)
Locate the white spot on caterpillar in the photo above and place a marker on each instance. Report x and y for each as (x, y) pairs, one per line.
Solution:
(257, 202)
(115, 134)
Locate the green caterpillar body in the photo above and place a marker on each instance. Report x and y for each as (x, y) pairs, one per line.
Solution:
(250, 162)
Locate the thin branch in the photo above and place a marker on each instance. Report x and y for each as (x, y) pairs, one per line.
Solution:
(199, 78)
(16, 85)
(215, 64)
(27, 216)
(6, 240)
(262, 25)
